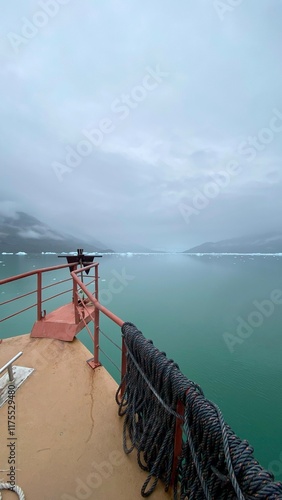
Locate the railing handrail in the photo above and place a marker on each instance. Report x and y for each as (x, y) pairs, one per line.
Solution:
(9, 366)
(77, 282)
(74, 273)
(96, 302)
(39, 288)
(77, 279)
(36, 271)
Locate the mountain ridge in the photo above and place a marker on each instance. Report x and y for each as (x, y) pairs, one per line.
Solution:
(270, 242)
(25, 233)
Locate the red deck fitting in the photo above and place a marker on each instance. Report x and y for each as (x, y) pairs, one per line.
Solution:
(60, 324)
(92, 363)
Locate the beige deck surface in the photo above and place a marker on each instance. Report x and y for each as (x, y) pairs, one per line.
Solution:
(69, 436)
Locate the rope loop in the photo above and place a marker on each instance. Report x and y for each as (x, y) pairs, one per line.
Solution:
(214, 463)
(16, 489)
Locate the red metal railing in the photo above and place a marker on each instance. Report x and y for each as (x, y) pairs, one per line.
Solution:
(98, 307)
(38, 291)
(80, 304)
(84, 304)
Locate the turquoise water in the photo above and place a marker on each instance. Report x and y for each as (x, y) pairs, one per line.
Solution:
(187, 305)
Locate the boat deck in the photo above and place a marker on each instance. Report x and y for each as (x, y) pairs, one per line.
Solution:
(69, 435)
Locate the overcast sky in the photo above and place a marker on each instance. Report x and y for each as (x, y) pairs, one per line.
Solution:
(118, 115)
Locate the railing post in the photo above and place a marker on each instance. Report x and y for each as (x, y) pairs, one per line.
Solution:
(96, 285)
(39, 296)
(96, 320)
(96, 336)
(95, 362)
(177, 441)
(75, 299)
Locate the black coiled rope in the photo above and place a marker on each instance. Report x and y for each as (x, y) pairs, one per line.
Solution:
(214, 463)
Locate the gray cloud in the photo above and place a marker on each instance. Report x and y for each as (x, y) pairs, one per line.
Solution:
(223, 81)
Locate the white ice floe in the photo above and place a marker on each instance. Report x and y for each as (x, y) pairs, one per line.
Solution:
(255, 254)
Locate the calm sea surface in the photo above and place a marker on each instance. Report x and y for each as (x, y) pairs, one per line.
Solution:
(219, 317)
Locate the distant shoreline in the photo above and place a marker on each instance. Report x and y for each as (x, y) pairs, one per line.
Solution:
(197, 254)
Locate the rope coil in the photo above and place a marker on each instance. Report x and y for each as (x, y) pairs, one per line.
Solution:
(214, 463)
(16, 489)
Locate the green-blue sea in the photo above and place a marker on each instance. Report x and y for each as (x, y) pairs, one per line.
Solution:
(218, 316)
